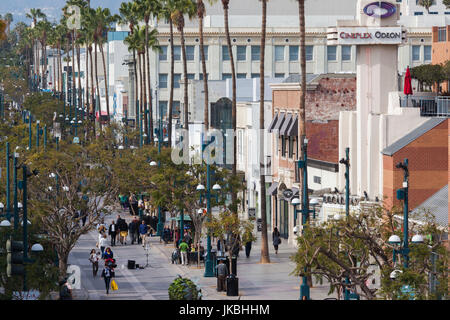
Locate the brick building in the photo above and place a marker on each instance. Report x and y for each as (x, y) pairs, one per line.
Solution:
(327, 95)
(441, 49)
(426, 149)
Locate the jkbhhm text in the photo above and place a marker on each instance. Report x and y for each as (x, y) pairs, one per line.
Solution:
(225, 310)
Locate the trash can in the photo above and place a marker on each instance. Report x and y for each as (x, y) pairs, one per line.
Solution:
(131, 264)
(232, 286)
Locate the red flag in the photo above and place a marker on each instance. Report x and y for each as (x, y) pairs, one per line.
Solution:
(407, 88)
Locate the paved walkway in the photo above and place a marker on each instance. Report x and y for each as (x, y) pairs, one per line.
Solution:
(256, 281)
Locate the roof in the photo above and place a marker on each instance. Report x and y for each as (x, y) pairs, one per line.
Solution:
(436, 204)
(296, 78)
(413, 135)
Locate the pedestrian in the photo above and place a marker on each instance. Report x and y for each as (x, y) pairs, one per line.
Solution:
(94, 258)
(276, 239)
(133, 228)
(166, 235)
(101, 227)
(65, 291)
(187, 238)
(248, 248)
(108, 254)
(123, 231)
(102, 244)
(113, 232)
(83, 216)
(184, 250)
(177, 237)
(143, 229)
(133, 204)
(107, 275)
(222, 272)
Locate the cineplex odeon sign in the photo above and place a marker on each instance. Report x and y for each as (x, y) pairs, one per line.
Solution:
(369, 35)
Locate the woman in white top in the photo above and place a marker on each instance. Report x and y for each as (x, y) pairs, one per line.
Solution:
(102, 243)
(94, 258)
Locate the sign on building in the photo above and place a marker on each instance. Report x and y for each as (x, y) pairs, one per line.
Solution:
(369, 35)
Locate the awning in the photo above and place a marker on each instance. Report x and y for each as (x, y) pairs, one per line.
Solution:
(274, 121)
(272, 189)
(292, 131)
(279, 122)
(286, 124)
(178, 218)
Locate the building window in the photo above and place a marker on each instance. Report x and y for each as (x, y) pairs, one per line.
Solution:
(442, 34)
(309, 53)
(279, 75)
(416, 53)
(283, 146)
(346, 53)
(418, 13)
(317, 180)
(226, 76)
(293, 53)
(291, 147)
(190, 53)
(162, 109)
(177, 53)
(205, 50)
(427, 53)
(163, 80)
(241, 76)
(331, 53)
(191, 76)
(176, 80)
(433, 12)
(163, 54)
(201, 76)
(241, 53)
(176, 110)
(256, 52)
(225, 54)
(279, 53)
(255, 75)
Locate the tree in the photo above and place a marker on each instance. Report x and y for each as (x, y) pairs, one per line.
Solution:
(9, 19)
(446, 3)
(426, 4)
(348, 248)
(265, 246)
(2, 30)
(72, 179)
(230, 227)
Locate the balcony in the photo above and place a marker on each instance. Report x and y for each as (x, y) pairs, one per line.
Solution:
(429, 106)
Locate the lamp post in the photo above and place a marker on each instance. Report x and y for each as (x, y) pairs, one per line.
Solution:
(37, 135)
(8, 196)
(402, 194)
(303, 164)
(16, 208)
(29, 131)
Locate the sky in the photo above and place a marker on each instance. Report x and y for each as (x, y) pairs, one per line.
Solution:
(52, 8)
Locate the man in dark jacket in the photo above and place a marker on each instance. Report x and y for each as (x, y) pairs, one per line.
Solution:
(113, 230)
(134, 230)
(143, 230)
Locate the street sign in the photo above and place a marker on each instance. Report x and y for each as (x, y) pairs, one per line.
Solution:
(252, 212)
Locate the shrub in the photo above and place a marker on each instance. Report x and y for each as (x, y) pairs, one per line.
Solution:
(184, 289)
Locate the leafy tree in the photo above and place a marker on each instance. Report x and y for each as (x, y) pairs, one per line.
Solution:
(426, 4)
(348, 248)
(446, 3)
(184, 289)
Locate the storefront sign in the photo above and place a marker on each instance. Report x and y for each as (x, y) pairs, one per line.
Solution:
(288, 193)
(380, 9)
(369, 35)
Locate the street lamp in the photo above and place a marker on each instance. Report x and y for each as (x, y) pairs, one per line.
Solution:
(5, 223)
(314, 202)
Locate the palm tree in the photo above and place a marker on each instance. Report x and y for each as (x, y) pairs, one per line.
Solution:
(225, 4)
(166, 13)
(8, 18)
(35, 14)
(265, 247)
(148, 8)
(183, 7)
(426, 4)
(42, 28)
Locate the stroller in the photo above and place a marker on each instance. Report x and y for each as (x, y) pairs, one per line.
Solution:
(176, 256)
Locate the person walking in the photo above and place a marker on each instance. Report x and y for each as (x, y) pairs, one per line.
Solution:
(107, 275)
(133, 227)
(83, 216)
(94, 258)
(123, 231)
(65, 291)
(276, 239)
(143, 230)
(102, 244)
(184, 250)
(133, 205)
(222, 272)
(248, 248)
(108, 254)
(113, 232)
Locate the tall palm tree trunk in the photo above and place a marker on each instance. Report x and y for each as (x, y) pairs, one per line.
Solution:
(150, 102)
(106, 81)
(302, 115)
(92, 109)
(141, 91)
(201, 9)
(264, 240)
(144, 90)
(80, 93)
(74, 90)
(136, 90)
(233, 106)
(172, 69)
(98, 90)
(185, 88)
(55, 62)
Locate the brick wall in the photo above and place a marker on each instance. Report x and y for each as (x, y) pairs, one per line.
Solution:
(323, 140)
(428, 158)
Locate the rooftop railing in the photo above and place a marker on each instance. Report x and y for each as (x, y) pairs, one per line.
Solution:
(429, 106)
